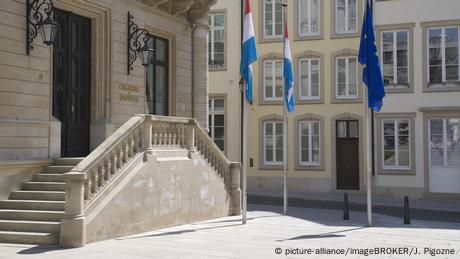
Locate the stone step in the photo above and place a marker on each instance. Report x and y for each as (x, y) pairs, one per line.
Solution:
(48, 178)
(73, 161)
(29, 238)
(32, 205)
(30, 226)
(58, 169)
(43, 186)
(38, 195)
(34, 215)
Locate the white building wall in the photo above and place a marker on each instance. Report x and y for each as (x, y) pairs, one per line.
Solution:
(414, 11)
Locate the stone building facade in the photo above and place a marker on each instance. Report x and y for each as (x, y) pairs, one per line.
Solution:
(98, 92)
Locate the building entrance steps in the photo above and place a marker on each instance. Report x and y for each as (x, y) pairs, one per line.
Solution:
(33, 214)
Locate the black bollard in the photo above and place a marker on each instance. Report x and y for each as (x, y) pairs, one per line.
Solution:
(406, 210)
(346, 215)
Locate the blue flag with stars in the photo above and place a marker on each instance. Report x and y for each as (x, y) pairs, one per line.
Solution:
(372, 75)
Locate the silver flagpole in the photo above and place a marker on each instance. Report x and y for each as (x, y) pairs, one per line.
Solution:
(285, 124)
(245, 156)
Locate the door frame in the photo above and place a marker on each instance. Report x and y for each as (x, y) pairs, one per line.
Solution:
(101, 67)
(361, 142)
(171, 71)
(430, 113)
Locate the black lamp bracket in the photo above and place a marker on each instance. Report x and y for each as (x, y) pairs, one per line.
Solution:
(34, 17)
(137, 38)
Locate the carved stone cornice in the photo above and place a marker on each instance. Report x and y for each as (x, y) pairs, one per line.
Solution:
(194, 10)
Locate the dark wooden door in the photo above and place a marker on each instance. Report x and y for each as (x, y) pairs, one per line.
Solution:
(157, 90)
(72, 82)
(347, 154)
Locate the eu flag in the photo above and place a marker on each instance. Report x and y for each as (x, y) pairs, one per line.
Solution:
(372, 75)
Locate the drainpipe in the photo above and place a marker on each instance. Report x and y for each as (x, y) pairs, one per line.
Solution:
(193, 26)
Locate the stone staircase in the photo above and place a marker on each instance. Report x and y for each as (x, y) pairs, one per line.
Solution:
(33, 214)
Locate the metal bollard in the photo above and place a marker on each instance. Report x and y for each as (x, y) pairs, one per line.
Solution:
(406, 210)
(346, 215)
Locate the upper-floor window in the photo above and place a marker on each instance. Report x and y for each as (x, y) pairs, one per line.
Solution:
(310, 144)
(273, 18)
(308, 17)
(346, 16)
(396, 144)
(216, 41)
(309, 82)
(443, 55)
(273, 79)
(395, 58)
(346, 77)
(217, 121)
(273, 142)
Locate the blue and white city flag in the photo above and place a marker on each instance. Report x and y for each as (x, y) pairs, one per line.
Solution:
(248, 52)
(288, 78)
(372, 74)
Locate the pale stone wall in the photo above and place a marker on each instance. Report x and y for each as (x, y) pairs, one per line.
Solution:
(394, 13)
(225, 82)
(26, 123)
(158, 194)
(323, 178)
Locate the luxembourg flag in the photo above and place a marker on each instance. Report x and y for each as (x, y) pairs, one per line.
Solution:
(248, 52)
(288, 78)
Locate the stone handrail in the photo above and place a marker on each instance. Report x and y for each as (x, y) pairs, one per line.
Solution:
(140, 134)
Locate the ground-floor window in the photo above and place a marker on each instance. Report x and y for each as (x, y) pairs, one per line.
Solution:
(309, 148)
(396, 144)
(217, 121)
(444, 134)
(273, 142)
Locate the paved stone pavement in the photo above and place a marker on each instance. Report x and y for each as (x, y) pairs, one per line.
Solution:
(266, 231)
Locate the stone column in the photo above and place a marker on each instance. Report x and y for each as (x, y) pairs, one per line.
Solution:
(73, 228)
(235, 168)
(201, 69)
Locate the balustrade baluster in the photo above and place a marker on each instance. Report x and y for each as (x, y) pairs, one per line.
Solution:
(100, 175)
(93, 182)
(86, 189)
(126, 151)
(106, 169)
(131, 146)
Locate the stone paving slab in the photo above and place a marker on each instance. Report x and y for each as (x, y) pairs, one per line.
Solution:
(265, 231)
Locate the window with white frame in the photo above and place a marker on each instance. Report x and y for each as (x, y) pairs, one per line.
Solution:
(309, 82)
(346, 16)
(273, 142)
(216, 40)
(443, 55)
(273, 18)
(396, 144)
(308, 20)
(444, 142)
(395, 58)
(273, 79)
(346, 75)
(310, 144)
(217, 121)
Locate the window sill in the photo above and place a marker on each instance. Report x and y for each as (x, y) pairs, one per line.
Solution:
(270, 40)
(299, 167)
(399, 89)
(271, 102)
(442, 87)
(309, 101)
(346, 100)
(396, 172)
(345, 35)
(271, 167)
(224, 68)
(308, 37)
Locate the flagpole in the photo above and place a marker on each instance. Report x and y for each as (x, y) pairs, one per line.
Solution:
(371, 172)
(245, 158)
(285, 127)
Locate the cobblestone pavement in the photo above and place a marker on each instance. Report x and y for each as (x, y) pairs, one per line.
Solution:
(268, 232)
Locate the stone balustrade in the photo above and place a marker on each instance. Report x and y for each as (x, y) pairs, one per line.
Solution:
(140, 134)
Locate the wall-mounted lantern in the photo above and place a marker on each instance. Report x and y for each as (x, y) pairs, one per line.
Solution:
(36, 10)
(138, 44)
